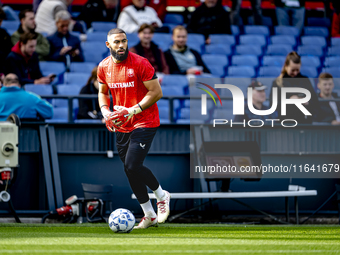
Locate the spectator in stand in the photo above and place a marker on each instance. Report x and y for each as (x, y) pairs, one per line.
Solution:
(64, 47)
(24, 62)
(210, 18)
(28, 25)
(99, 10)
(290, 13)
(148, 49)
(336, 19)
(26, 105)
(5, 42)
(180, 58)
(89, 108)
(236, 8)
(46, 13)
(158, 5)
(258, 97)
(291, 77)
(133, 16)
(329, 110)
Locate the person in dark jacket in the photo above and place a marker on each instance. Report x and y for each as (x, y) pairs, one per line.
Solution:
(89, 108)
(99, 10)
(23, 61)
(329, 110)
(180, 58)
(64, 47)
(27, 24)
(210, 18)
(5, 42)
(148, 49)
(292, 78)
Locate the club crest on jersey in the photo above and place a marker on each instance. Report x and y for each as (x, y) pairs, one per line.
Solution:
(130, 72)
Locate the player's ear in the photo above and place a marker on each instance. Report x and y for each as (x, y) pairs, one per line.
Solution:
(107, 44)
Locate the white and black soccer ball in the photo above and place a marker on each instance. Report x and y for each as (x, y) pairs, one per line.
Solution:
(121, 221)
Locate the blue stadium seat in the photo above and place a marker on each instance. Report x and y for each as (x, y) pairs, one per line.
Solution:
(320, 31)
(239, 82)
(217, 70)
(257, 30)
(279, 49)
(216, 59)
(82, 67)
(287, 30)
(161, 38)
(332, 61)
(59, 115)
(196, 46)
(333, 51)
(196, 38)
(310, 50)
(103, 26)
(163, 112)
(309, 71)
(241, 71)
(273, 60)
(10, 24)
(49, 67)
(172, 91)
(312, 61)
(10, 31)
(235, 30)
(223, 39)
(87, 121)
(133, 39)
(335, 41)
(314, 40)
(97, 37)
(40, 90)
(249, 50)
(196, 103)
(245, 60)
(196, 116)
(70, 90)
(272, 71)
(253, 40)
(335, 71)
(172, 18)
(283, 39)
(319, 22)
(175, 80)
(79, 79)
(218, 49)
(94, 51)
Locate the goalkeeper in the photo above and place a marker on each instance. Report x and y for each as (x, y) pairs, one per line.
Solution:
(135, 90)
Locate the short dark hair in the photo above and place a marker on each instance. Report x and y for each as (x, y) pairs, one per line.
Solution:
(22, 14)
(114, 31)
(24, 38)
(145, 26)
(2, 14)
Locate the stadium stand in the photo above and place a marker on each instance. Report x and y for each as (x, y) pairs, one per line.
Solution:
(245, 60)
(249, 50)
(266, 71)
(283, 39)
(257, 30)
(76, 78)
(103, 26)
(84, 67)
(40, 90)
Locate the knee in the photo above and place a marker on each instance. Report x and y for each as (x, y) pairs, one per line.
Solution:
(132, 167)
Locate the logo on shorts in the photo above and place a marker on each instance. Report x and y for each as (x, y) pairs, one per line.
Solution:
(142, 145)
(130, 72)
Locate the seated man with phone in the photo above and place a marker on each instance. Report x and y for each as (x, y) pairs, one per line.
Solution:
(64, 47)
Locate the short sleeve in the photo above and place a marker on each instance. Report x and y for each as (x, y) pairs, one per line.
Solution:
(101, 74)
(147, 71)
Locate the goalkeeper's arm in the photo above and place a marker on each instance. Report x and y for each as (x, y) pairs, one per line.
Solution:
(104, 103)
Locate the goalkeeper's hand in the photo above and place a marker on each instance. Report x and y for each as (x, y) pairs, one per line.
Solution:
(122, 114)
(107, 114)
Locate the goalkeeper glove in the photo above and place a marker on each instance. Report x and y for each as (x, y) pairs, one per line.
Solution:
(107, 114)
(123, 114)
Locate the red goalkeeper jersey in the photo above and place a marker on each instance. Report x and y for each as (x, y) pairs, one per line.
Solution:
(125, 81)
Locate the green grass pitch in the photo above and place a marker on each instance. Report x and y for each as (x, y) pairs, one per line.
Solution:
(169, 239)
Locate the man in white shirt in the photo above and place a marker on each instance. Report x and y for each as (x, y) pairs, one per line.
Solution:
(133, 16)
(330, 110)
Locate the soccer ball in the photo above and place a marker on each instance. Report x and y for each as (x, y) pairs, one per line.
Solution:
(121, 221)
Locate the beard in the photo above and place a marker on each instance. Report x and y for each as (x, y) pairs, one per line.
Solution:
(117, 56)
